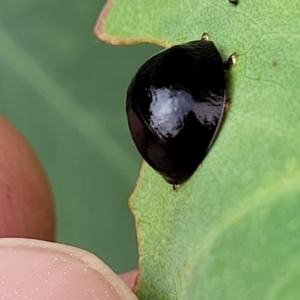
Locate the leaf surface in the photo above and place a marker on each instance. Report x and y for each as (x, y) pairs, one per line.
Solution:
(231, 231)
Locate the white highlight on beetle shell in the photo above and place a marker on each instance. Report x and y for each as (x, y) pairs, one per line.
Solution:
(166, 111)
(169, 109)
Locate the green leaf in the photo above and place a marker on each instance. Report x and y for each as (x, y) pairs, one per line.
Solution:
(232, 231)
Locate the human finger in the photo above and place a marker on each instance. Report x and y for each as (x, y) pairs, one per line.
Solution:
(32, 269)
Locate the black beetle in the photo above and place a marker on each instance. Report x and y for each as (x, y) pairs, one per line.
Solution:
(175, 104)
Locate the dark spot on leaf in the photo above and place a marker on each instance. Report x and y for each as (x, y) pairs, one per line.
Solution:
(234, 2)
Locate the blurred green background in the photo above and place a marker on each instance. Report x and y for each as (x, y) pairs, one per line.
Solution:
(65, 91)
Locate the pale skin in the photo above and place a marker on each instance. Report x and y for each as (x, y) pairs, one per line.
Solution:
(29, 267)
(32, 269)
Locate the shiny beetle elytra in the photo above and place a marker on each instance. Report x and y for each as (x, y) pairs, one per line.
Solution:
(175, 105)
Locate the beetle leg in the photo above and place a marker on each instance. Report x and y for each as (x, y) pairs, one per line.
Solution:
(176, 187)
(227, 104)
(231, 60)
(205, 36)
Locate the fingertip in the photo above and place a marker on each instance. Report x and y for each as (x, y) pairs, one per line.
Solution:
(43, 270)
(129, 278)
